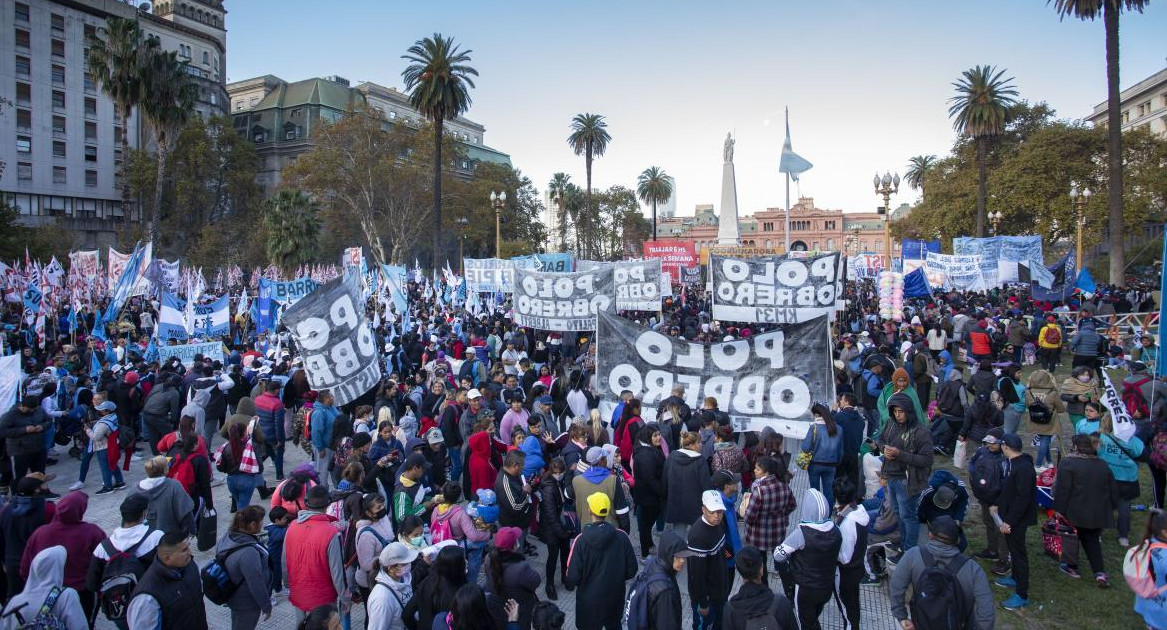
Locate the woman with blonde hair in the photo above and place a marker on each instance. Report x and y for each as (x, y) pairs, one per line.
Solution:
(597, 430)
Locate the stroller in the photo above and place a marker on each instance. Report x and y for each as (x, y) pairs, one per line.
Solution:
(71, 430)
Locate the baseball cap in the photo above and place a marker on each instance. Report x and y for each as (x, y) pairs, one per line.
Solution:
(599, 503)
(944, 496)
(1012, 440)
(134, 505)
(993, 436)
(397, 553)
(594, 455)
(107, 405)
(507, 538)
(473, 394)
(434, 436)
(711, 500)
(945, 529)
(544, 400)
(362, 439)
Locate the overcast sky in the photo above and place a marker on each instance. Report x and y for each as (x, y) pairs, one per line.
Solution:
(867, 83)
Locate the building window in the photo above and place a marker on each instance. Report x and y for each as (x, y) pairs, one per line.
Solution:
(58, 126)
(58, 74)
(258, 137)
(206, 58)
(254, 100)
(58, 48)
(58, 149)
(90, 33)
(24, 172)
(1126, 117)
(58, 99)
(91, 107)
(91, 178)
(23, 144)
(392, 115)
(239, 105)
(90, 154)
(57, 23)
(59, 175)
(23, 66)
(296, 113)
(90, 131)
(90, 83)
(21, 12)
(24, 119)
(23, 93)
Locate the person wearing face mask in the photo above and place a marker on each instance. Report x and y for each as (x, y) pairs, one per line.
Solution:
(391, 588)
(373, 532)
(900, 383)
(1082, 387)
(557, 526)
(411, 533)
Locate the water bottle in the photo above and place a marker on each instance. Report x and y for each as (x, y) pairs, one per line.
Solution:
(1139, 508)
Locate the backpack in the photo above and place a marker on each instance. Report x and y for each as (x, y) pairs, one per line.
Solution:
(443, 529)
(1133, 399)
(119, 578)
(1138, 571)
(636, 607)
(938, 601)
(759, 621)
(1053, 336)
(985, 477)
(1039, 412)
(352, 553)
(182, 471)
(45, 618)
(217, 585)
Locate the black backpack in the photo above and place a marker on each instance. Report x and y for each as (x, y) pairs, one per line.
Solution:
(938, 602)
(217, 584)
(984, 478)
(119, 578)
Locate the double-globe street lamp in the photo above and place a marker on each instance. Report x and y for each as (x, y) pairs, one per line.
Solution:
(1080, 199)
(498, 202)
(887, 186)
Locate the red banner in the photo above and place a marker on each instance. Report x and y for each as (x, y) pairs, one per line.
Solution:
(673, 255)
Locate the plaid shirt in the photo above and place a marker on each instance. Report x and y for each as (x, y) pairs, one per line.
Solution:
(767, 515)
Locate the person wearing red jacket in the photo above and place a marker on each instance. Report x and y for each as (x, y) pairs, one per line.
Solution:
(313, 555)
(69, 530)
(630, 424)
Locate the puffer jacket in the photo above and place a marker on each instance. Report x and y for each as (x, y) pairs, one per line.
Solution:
(248, 566)
(13, 427)
(270, 410)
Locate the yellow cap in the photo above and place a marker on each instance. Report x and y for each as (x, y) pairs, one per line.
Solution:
(600, 504)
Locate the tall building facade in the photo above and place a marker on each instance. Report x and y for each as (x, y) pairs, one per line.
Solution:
(1144, 106)
(279, 117)
(61, 139)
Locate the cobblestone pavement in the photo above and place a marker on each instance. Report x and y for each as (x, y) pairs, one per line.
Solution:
(103, 510)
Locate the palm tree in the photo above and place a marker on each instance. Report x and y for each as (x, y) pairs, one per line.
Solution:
(918, 167)
(292, 224)
(438, 81)
(1110, 10)
(654, 186)
(589, 138)
(981, 109)
(116, 60)
(170, 97)
(557, 190)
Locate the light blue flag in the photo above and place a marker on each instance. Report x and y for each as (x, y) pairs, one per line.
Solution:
(1085, 281)
(791, 162)
(125, 284)
(172, 317)
(151, 350)
(94, 365)
(72, 320)
(99, 327)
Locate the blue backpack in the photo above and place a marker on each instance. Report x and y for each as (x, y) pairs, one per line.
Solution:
(636, 615)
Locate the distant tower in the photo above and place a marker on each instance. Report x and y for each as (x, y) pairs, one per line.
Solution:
(669, 210)
(727, 227)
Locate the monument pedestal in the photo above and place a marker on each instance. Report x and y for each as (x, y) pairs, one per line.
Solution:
(728, 233)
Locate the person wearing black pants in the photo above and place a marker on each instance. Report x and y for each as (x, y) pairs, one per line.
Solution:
(1159, 481)
(852, 521)
(1016, 511)
(812, 551)
(23, 428)
(648, 490)
(552, 518)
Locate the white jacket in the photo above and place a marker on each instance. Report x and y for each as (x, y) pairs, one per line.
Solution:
(387, 602)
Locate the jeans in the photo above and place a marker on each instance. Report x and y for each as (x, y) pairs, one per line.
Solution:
(108, 476)
(1043, 455)
(822, 477)
(244, 618)
(241, 486)
(557, 552)
(474, 555)
(210, 430)
(323, 462)
(1124, 518)
(1050, 357)
(1012, 419)
(1019, 556)
(905, 506)
(455, 464)
(712, 620)
(994, 539)
(155, 427)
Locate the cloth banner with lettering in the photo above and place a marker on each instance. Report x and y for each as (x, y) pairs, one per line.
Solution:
(558, 263)
(637, 284)
(864, 266)
(1124, 426)
(116, 264)
(958, 272)
(339, 350)
(770, 379)
(995, 250)
(187, 352)
(211, 320)
(775, 289)
(562, 301)
(172, 318)
(273, 295)
(691, 275)
(164, 274)
(494, 275)
(673, 254)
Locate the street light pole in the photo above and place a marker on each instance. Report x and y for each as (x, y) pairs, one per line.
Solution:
(995, 221)
(887, 186)
(461, 242)
(1079, 199)
(498, 200)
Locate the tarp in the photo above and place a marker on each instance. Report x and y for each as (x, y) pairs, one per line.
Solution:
(10, 377)
(770, 379)
(997, 248)
(775, 290)
(330, 331)
(562, 301)
(916, 284)
(187, 352)
(1061, 281)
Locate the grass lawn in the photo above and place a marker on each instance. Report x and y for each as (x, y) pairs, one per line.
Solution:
(1057, 600)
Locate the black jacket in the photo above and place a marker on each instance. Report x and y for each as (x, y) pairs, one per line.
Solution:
(983, 382)
(1017, 505)
(979, 417)
(601, 561)
(13, 428)
(1085, 492)
(753, 600)
(689, 477)
(708, 570)
(514, 505)
(179, 594)
(648, 471)
(551, 502)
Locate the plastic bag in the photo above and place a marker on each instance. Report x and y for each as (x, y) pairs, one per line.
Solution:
(960, 453)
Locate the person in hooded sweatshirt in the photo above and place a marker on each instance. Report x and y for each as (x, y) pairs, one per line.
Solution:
(812, 550)
(79, 538)
(246, 561)
(134, 536)
(941, 550)
(45, 579)
(1017, 511)
(687, 475)
(171, 508)
(852, 519)
(906, 445)
(598, 478)
(601, 561)
(755, 599)
(161, 410)
(18, 520)
(660, 574)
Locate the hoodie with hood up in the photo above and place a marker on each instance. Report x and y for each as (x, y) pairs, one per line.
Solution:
(600, 562)
(664, 596)
(686, 477)
(914, 441)
(754, 600)
(196, 408)
(813, 547)
(68, 528)
(170, 508)
(18, 520)
(46, 573)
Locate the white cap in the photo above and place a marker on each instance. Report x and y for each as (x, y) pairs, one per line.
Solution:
(473, 394)
(711, 500)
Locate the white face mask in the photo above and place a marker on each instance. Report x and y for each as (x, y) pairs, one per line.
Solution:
(1085, 378)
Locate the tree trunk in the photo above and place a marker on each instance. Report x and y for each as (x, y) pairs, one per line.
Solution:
(156, 211)
(982, 179)
(1114, 148)
(588, 212)
(654, 219)
(125, 167)
(438, 124)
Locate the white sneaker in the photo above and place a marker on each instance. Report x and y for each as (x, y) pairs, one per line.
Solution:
(77, 486)
(135, 458)
(218, 480)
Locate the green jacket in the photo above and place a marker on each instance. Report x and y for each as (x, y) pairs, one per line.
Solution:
(881, 405)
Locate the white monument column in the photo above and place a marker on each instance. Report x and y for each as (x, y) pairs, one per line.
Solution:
(728, 233)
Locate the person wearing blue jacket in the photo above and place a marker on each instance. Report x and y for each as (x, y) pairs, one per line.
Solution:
(1154, 609)
(824, 441)
(324, 413)
(727, 483)
(532, 445)
(1120, 456)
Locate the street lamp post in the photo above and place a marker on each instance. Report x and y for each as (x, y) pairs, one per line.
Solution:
(461, 242)
(995, 220)
(498, 201)
(887, 186)
(1080, 199)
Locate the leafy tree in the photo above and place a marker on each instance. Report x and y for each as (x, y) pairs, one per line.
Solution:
(557, 190)
(589, 138)
(1109, 10)
(621, 228)
(170, 97)
(981, 109)
(438, 80)
(654, 186)
(917, 168)
(41, 242)
(292, 224)
(521, 230)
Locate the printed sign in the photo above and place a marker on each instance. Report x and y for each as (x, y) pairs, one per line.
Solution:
(638, 285)
(673, 255)
(288, 292)
(963, 273)
(993, 249)
(187, 352)
(339, 351)
(770, 379)
(1124, 426)
(493, 274)
(562, 301)
(691, 275)
(775, 290)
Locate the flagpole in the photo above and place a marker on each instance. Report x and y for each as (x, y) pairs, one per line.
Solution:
(787, 230)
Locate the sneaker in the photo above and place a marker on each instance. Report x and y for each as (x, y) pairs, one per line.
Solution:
(51, 495)
(1015, 602)
(121, 485)
(135, 458)
(1000, 568)
(868, 579)
(1102, 580)
(104, 490)
(1124, 542)
(1005, 582)
(1069, 570)
(986, 554)
(77, 486)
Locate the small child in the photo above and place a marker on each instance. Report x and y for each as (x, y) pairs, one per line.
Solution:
(280, 519)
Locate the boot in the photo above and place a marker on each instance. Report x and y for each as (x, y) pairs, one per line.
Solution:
(549, 590)
(566, 585)
(265, 492)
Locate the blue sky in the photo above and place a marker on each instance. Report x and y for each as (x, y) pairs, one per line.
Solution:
(867, 82)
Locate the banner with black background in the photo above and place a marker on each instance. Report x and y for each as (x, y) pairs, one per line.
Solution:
(775, 289)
